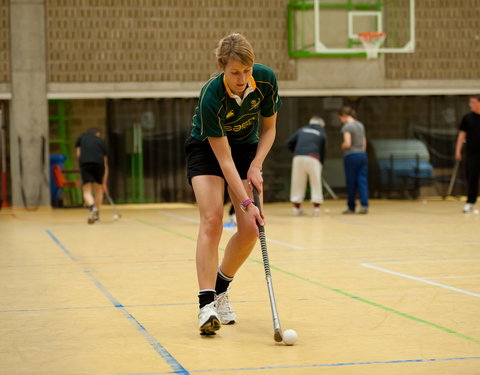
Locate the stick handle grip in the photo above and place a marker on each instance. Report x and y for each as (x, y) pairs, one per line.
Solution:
(256, 199)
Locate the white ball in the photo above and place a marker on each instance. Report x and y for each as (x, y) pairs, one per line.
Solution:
(476, 212)
(115, 217)
(289, 337)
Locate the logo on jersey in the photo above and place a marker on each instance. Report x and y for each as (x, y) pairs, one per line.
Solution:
(254, 104)
(230, 114)
(239, 127)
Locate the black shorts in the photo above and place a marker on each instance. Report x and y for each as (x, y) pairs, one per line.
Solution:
(92, 172)
(202, 161)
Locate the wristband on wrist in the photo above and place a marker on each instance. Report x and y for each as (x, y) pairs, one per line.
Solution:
(245, 204)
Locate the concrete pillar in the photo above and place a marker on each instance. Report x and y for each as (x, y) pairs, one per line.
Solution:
(29, 146)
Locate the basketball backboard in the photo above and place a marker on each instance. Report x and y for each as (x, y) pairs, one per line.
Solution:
(332, 27)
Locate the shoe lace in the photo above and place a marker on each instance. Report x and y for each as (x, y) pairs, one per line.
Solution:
(223, 302)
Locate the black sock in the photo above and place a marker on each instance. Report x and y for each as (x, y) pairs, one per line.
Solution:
(206, 296)
(222, 283)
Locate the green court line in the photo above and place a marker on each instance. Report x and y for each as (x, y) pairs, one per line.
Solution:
(166, 230)
(336, 290)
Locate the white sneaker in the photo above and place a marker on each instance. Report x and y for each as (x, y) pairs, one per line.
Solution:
(468, 207)
(298, 212)
(92, 214)
(316, 211)
(208, 321)
(225, 311)
(363, 210)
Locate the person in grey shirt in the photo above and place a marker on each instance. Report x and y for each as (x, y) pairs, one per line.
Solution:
(308, 144)
(355, 159)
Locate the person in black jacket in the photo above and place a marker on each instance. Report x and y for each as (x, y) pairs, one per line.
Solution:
(92, 153)
(469, 133)
(308, 144)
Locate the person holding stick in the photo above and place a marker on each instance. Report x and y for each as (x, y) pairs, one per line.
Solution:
(227, 145)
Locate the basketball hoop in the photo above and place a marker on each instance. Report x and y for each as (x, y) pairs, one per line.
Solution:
(372, 41)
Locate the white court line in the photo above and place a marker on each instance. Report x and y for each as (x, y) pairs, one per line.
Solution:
(415, 245)
(420, 279)
(430, 261)
(196, 221)
(453, 277)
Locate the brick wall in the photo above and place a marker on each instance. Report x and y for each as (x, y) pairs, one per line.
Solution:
(158, 40)
(447, 42)
(4, 41)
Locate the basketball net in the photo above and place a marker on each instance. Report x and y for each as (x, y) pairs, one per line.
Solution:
(372, 41)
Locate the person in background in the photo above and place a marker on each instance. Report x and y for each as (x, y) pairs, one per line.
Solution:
(469, 133)
(308, 145)
(227, 144)
(91, 151)
(355, 159)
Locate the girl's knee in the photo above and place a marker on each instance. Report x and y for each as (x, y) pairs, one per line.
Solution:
(212, 225)
(248, 232)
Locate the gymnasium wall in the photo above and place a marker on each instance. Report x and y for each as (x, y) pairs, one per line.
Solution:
(4, 43)
(165, 45)
(448, 43)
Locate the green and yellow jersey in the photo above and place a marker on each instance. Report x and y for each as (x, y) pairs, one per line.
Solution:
(218, 113)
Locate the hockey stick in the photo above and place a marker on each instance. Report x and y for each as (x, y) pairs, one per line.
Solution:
(117, 215)
(453, 178)
(266, 265)
(329, 189)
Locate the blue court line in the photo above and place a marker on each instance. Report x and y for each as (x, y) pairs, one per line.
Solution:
(172, 362)
(400, 361)
(65, 250)
(340, 364)
(111, 307)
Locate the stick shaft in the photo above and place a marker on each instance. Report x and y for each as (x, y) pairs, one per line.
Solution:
(268, 276)
(453, 178)
(110, 200)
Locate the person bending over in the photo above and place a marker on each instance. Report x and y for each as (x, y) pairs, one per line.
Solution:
(226, 144)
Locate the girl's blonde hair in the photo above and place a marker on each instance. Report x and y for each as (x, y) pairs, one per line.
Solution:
(234, 46)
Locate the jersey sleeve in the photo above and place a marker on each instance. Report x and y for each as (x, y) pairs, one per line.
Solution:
(271, 102)
(212, 119)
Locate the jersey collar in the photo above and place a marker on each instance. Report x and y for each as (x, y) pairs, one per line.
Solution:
(251, 86)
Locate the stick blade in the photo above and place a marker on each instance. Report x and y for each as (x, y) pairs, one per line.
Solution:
(278, 336)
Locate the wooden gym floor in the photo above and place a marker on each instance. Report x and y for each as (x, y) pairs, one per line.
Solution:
(396, 291)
